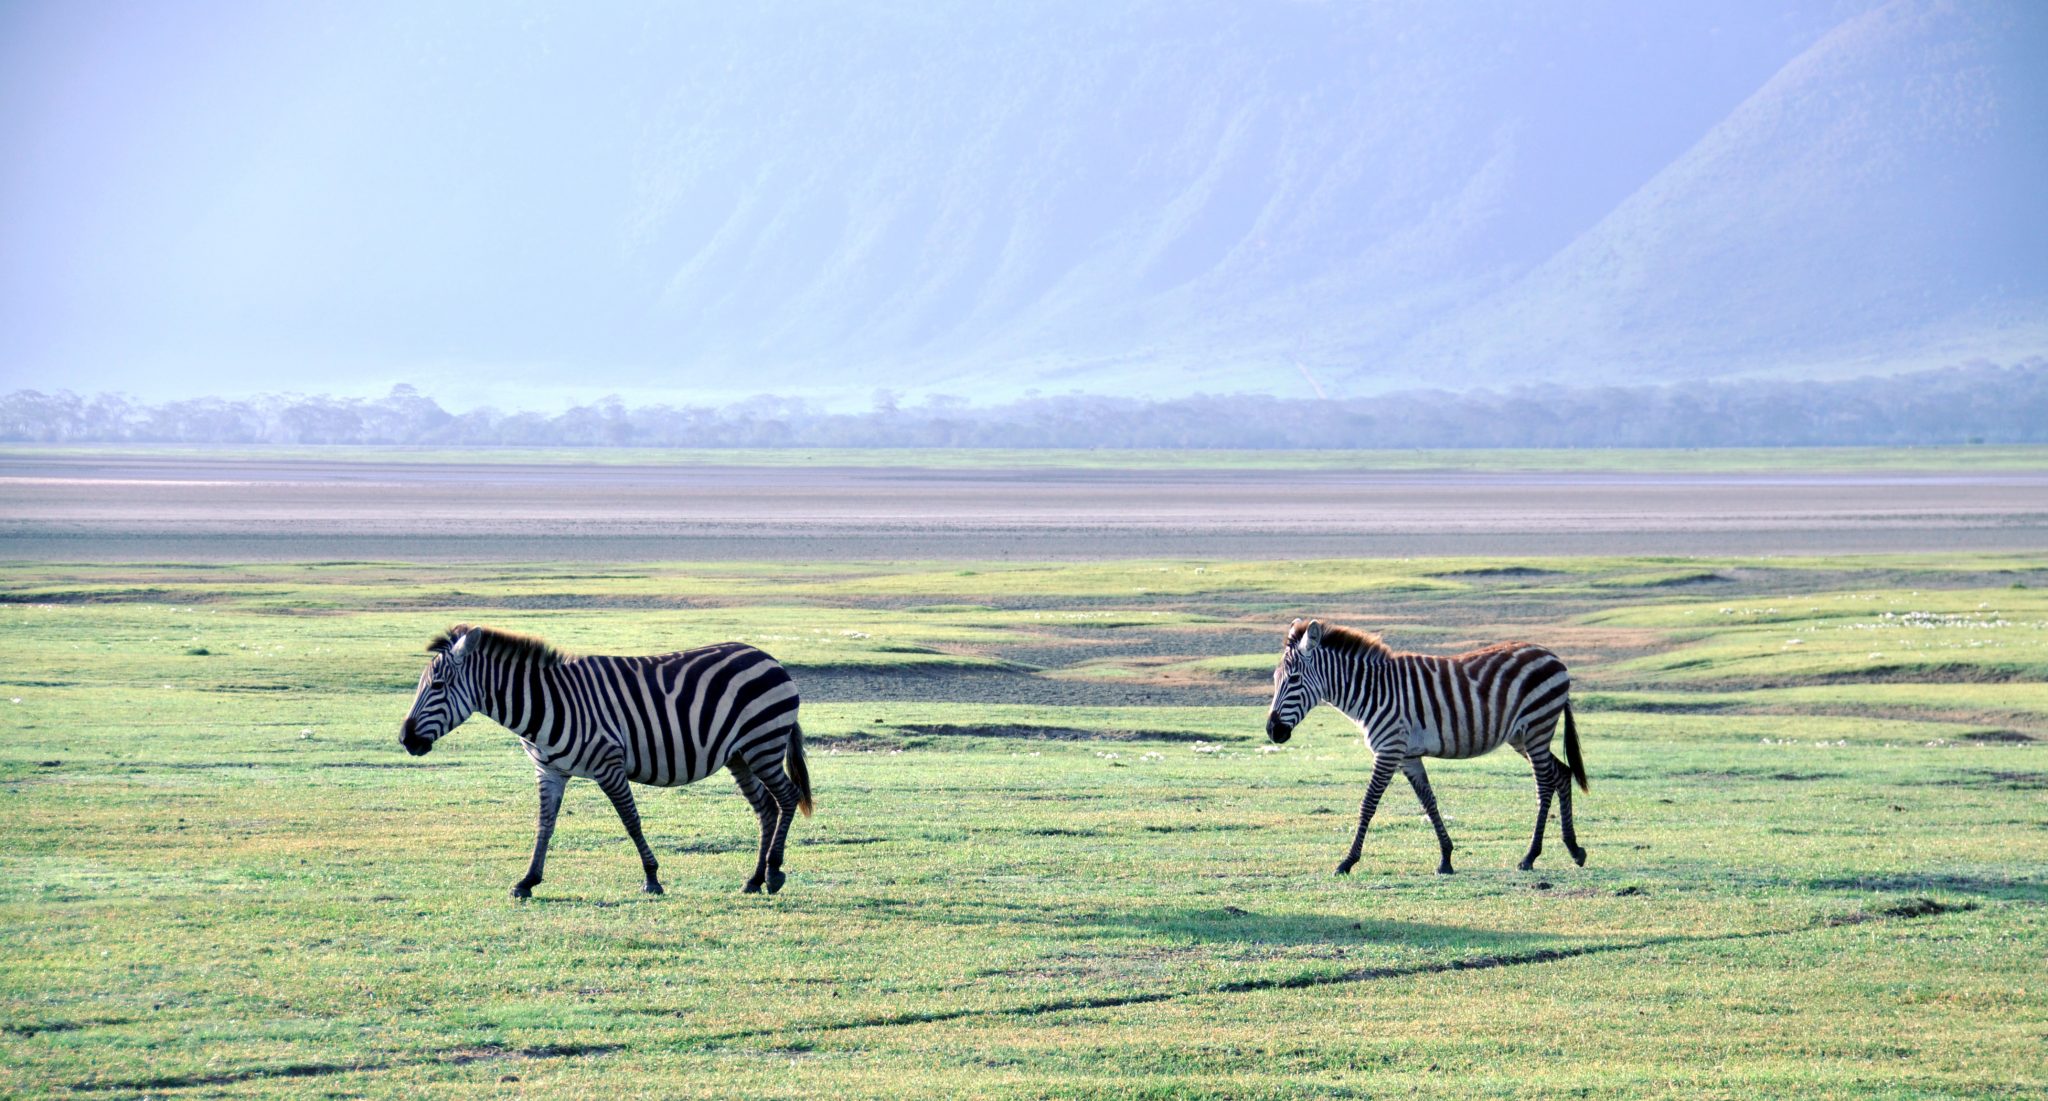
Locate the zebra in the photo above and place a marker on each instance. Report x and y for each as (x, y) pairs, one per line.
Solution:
(1412, 706)
(664, 720)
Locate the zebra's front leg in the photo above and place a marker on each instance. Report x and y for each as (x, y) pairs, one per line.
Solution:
(551, 785)
(1545, 767)
(764, 814)
(1420, 780)
(1383, 766)
(620, 790)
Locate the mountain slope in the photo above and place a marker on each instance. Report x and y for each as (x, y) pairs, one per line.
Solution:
(1143, 196)
(1868, 207)
(1138, 197)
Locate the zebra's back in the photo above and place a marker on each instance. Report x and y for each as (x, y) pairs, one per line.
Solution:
(679, 717)
(1468, 704)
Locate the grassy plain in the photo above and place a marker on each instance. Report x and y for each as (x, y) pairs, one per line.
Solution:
(1051, 856)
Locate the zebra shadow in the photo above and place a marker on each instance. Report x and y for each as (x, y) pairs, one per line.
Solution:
(587, 901)
(1234, 924)
(1207, 924)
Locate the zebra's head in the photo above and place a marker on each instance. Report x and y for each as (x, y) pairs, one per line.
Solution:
(1296, 686)
(444, 698)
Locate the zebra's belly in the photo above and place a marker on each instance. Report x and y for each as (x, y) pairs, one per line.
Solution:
(1455, 744)
(676, 769)
(664, 763)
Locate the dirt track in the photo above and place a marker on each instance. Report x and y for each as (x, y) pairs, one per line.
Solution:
(198, 509)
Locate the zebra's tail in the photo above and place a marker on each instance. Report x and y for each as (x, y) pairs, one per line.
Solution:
(799, 774)
(1571, 748)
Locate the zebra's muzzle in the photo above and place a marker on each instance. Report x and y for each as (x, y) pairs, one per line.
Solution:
(413, 743)
(1277, 730)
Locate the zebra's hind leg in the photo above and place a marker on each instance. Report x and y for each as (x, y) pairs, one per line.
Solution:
(1420, 780)
(1562, 779)
(551, 785)
(1383, 766)
(1545, 767)
(764, 814)
(620, 791)
(783, 791)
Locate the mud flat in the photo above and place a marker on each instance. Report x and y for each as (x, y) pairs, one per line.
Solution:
(87, 507)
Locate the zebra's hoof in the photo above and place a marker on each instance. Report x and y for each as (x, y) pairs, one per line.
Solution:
(753, 887)
(1345, 868)
(1579, 857)
(652, 888)
(1444, 868)
(1527, 863)
(521, 890)
(775, 881)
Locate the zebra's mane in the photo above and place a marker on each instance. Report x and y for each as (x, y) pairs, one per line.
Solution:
(1344, 640)
(509, 643)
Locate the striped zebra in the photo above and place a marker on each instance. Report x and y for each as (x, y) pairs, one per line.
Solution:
(665, 720)
(1412, 706)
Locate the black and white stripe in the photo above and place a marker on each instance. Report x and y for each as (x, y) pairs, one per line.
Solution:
(664, 720)
(1412, 706)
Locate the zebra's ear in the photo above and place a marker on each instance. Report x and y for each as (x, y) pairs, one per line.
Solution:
(450, 641)
(1314, 635)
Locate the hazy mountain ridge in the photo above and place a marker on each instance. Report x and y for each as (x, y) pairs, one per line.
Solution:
(1888, 222)
(1139, 198)
(1328, 184)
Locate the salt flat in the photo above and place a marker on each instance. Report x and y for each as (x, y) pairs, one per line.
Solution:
(96, 507)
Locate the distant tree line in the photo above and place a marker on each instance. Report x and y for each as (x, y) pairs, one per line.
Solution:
(1978, 403)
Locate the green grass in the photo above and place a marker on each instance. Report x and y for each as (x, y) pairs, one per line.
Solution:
(221, 877)
(1963, 634)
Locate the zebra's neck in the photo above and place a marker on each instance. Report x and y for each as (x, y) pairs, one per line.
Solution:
(515, 691)
(1351, 682)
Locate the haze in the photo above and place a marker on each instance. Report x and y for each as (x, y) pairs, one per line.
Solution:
(535, 203)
